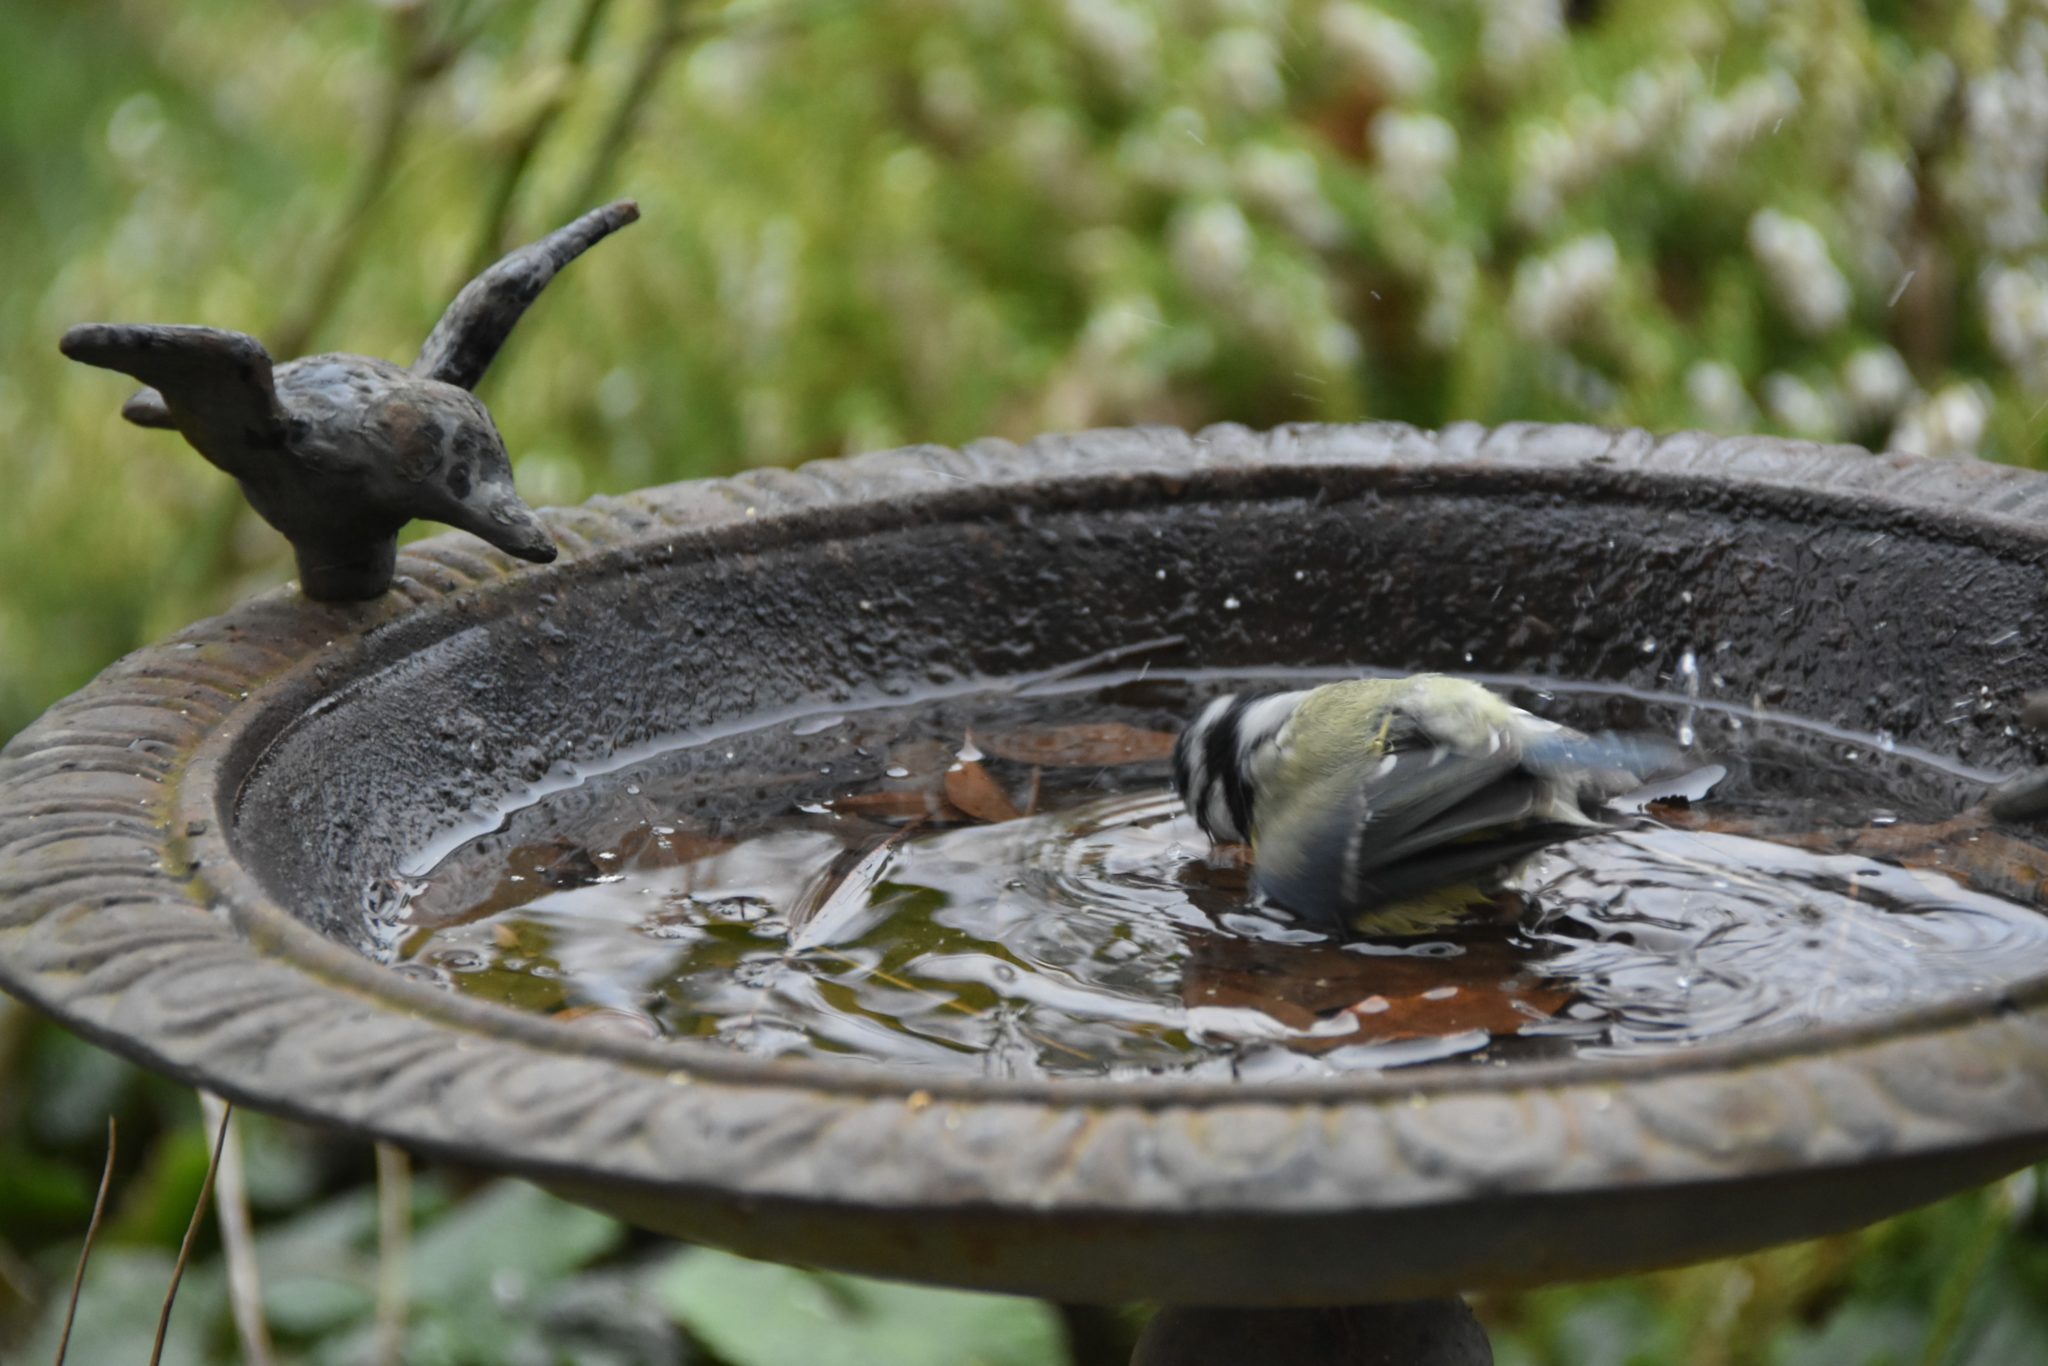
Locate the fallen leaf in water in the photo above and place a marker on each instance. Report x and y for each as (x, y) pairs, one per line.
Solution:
(1968, 846)
(1104, 744)
(969, 787)
(900, 805)
(615, 1020)
(1501, 1007)
(1390, 996)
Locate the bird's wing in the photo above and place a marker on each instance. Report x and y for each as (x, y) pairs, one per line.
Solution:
(466, 340)
(1413, 800)
(213, 385)
(1342, 842)
(1605, 764)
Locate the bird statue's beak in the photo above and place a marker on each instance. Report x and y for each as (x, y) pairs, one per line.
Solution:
(507, 523)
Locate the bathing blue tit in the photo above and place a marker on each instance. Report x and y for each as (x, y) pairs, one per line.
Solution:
(1389, 805)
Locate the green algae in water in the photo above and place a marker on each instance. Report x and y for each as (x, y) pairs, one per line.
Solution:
(1004, 884)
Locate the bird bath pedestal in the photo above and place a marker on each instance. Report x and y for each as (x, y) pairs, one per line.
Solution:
(186, 843)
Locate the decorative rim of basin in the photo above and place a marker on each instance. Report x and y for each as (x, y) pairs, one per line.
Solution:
(125, 913)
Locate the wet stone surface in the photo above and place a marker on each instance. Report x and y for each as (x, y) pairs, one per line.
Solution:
(1002, 883)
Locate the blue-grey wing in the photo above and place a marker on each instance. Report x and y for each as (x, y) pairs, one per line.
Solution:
(1413, 822)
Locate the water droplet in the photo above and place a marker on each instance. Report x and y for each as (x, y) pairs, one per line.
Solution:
(1231, 604)
(896, 771)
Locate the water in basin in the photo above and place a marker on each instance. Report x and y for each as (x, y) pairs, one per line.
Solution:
(1002, 883)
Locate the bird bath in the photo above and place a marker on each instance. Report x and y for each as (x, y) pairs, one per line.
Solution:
(186, 844)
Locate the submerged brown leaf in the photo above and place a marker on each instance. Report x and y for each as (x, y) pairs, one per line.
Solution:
(1390, 996)
(1968, 847)
(614, 1020)
(969, 787)
(1106, 744)
(900, 804)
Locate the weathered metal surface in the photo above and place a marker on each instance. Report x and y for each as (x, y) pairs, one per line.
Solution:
(187, 845)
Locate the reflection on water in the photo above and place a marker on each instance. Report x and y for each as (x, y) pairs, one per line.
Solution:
(1006, 886)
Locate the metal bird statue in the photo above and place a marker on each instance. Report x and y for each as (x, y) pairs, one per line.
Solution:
(338, 451)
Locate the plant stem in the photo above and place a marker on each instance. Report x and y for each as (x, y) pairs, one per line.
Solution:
(494, 237)
(394, 1240)
(163, 1321)
(618, 130)
(99, 1209)
(416, 59)
(238, 1240)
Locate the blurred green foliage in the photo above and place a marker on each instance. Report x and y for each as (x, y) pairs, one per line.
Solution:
(902, 220)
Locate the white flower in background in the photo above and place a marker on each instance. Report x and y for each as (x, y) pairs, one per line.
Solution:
(1287, 183)
(1118, 328)
(1652, 100)
(1244, 70)
(2016, 315)
(1950, 423)
(1591, 392)
(724, 74)
(1716, 394)
(1875, 385)
(1881, 196)
(1556, 160)
(1119, 37)
(1416, 153)
(1453, 280)
(1923, 94)
(1334, 347)
(1719, 132)
(1555, 296)
(1549, 164)
(2001, 179)
(1881, 190)
(1211, 247)
(1516, 34)
(1801, 408)
(1804, 280)
(951, 98)
(1051, 153)
(1377, 50)
(1266, 14)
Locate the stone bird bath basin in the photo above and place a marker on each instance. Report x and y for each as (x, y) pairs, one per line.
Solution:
(185, 844)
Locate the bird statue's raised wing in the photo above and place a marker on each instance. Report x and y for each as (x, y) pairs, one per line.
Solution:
(466, 340)
(211, 384)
